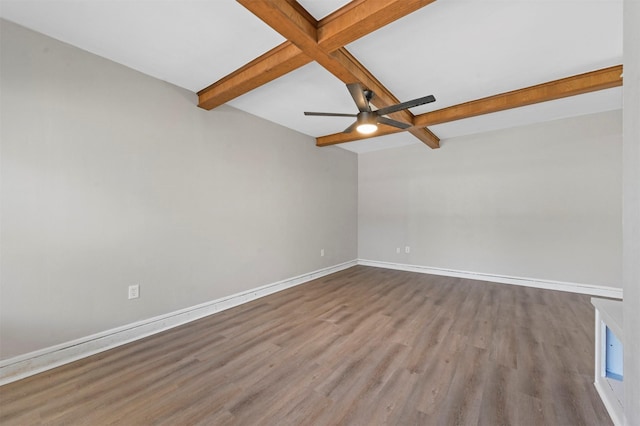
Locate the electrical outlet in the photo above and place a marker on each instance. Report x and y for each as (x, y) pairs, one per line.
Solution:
(407, 249)
(398, 250)
(321, 252)
(134, 291)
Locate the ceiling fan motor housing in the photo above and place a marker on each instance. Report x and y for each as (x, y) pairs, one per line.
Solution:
(367, 117)
(368, 94)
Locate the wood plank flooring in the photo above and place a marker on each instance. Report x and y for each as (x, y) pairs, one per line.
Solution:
(365, 346)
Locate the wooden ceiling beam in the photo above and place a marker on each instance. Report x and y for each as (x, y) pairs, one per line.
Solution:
(273, 64)
(338, 138)
(288, 18)
(362, 17)
(345, 25)
(605, 78)
(383, 97)
(294, 23)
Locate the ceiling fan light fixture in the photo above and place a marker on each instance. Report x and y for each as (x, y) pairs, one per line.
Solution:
(366, 128)
(367, 120)
(366, 123)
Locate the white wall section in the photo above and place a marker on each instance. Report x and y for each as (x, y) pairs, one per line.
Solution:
(539, 202)
(35, 362)
(631, 211)
(112, 178)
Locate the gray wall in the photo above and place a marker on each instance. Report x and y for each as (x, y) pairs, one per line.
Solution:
(631, 211)
(539, 202)
(111, 178)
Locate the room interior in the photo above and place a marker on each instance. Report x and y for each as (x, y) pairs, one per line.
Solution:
(161, 148)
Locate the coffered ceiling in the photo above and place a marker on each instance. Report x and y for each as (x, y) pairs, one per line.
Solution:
(459, 51)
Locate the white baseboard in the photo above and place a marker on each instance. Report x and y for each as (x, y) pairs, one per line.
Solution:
(593, 290)
(613, 406)
(45, 359)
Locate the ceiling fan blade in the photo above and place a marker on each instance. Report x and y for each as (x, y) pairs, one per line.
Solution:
(351, 128)
(394, 123)
(330, 114)
(405, 105)
(357, 93)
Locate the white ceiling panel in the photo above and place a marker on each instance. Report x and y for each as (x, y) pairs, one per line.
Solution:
(321, 8)
(465, 50)
(190, 43)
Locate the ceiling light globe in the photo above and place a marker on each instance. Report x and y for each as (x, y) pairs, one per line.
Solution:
(366, 128)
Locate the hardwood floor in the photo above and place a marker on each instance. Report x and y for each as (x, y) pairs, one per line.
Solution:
(364, 346)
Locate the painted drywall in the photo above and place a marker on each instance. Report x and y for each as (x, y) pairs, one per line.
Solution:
(631, 211)
(537, 202)
(112, 178)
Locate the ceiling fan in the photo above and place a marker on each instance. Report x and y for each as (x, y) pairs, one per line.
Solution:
(367, 120)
